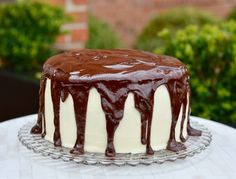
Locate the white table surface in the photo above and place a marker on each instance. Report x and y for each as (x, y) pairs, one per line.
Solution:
(217, 161)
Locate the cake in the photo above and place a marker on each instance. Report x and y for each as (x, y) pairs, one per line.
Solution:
(114, 101)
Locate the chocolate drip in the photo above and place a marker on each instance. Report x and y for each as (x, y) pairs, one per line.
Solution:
(37, 129)
(113, 97)
(64, 94)
(55, 93)
(115, 73)
(191, 131)
(176, 91)
(80, 98)
(183, 118)
(144, 98)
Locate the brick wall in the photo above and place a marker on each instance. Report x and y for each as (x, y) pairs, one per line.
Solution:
(77, 29)
(129, 17)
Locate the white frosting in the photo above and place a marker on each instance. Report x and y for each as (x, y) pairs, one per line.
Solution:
(49, 116)
(128, 134)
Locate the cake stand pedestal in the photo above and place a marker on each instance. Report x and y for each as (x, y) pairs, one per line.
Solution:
(217, 161)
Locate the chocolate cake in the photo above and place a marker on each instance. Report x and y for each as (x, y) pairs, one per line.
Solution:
(114, 101)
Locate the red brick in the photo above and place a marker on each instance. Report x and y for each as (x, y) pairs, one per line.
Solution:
(78, 16)
(61, 39)
(79, 35)
(80, 2)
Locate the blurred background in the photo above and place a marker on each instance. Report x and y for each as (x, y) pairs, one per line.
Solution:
(201, 33)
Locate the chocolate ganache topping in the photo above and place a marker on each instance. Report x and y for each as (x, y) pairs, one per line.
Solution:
(115, 74)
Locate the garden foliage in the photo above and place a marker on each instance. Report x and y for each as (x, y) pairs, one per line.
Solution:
(210, 54)
(27, 33)
(101, 35)
(173, 20)
(232, 14)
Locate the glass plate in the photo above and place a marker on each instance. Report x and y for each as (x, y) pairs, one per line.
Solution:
(38, 144)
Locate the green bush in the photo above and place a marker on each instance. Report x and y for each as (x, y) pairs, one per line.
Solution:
(173, 19)
(27, 33)
(101, 36)
(232, 14)
(210, 55)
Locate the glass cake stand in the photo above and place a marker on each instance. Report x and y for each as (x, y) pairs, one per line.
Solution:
(38, 144)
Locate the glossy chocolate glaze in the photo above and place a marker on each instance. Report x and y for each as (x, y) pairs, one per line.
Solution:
(115, 73)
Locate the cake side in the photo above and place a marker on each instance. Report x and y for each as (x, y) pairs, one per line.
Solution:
(127, 72)
(127, 138)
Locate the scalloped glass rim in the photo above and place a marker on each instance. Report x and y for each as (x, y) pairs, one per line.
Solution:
(39, 145)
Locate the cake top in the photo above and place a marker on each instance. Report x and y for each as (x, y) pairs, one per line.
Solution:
(94, 65)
